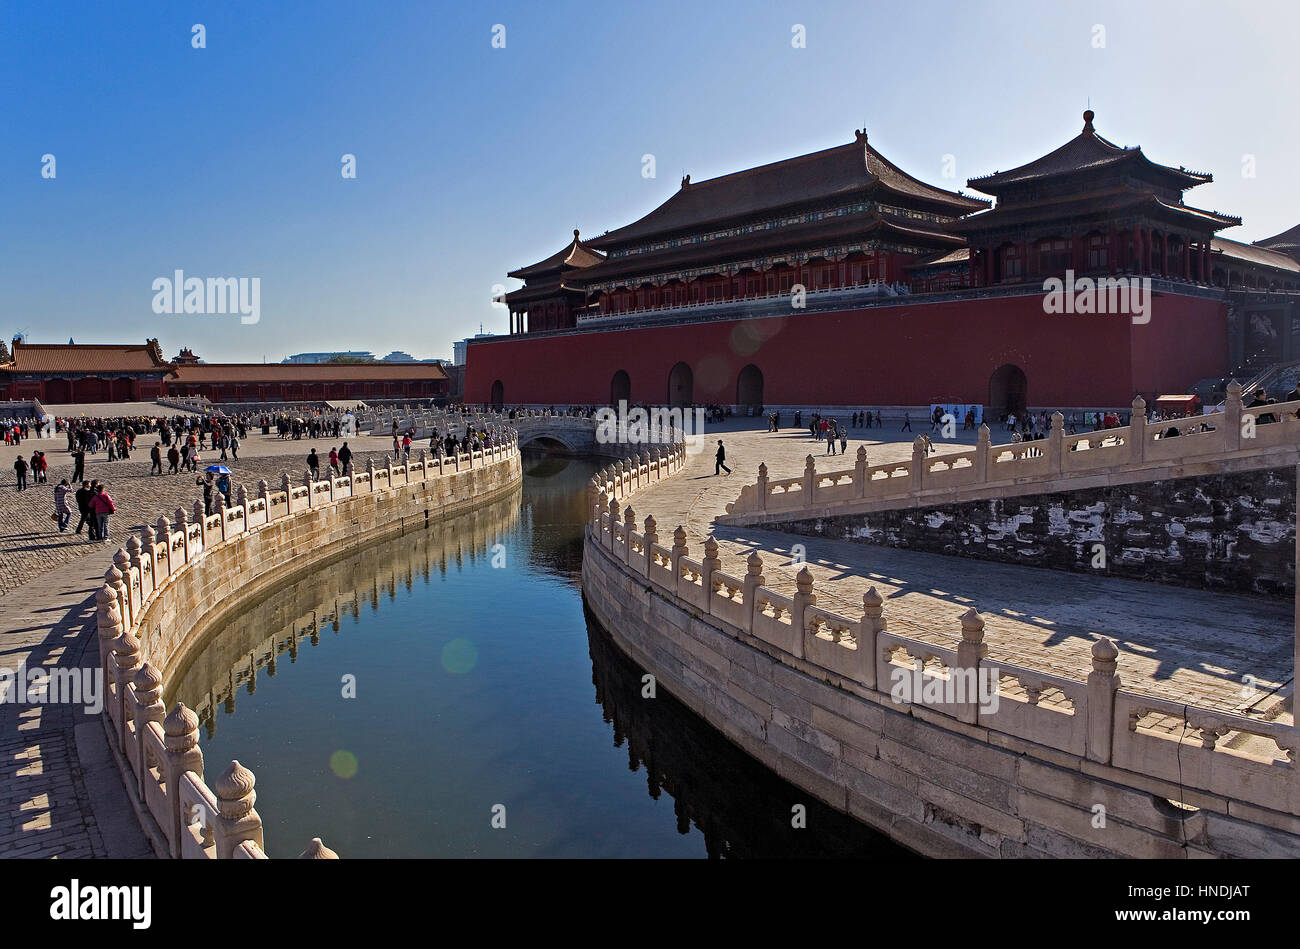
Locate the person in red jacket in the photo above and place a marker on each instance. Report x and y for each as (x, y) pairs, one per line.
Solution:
(102, 506)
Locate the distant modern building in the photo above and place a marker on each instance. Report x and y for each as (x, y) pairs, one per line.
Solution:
(313, 358)
(398, 356)
(458, 348)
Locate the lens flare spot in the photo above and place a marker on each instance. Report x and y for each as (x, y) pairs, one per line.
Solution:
(459, 656)
(343, 764)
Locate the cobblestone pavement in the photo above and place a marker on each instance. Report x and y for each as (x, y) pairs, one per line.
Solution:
(30, 543)
(61, 794)
(1181, 644)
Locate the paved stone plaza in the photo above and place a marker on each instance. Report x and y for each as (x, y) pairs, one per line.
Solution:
(1177, 643)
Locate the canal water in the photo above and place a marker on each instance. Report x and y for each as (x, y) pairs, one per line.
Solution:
(411, 697)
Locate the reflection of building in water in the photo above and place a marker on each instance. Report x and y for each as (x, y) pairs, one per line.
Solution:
(554, 511)
(254, 640)
(742, 808)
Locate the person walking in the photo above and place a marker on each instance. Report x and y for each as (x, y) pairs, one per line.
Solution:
(155, 455)
(844, 440)
(907, 422)
(20, 470)
(173, 459)
(83, 497)
(720, 459)
(103, 508)
(78, 465)
(313, 463)
(61, 509)
(345, 457)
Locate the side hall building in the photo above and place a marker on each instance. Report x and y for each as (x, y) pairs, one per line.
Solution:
(58, 374)
(836, 278)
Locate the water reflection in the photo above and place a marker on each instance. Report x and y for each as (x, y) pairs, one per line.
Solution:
(741, 807)
(472, 660)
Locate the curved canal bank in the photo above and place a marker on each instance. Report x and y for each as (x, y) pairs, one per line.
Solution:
(172, 583)
(479, 680)
(809, 693)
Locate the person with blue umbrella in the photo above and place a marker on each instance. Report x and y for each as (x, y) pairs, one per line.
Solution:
(223, 480)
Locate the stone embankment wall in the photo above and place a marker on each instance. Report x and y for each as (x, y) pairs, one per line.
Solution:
(183, 577)
(1057, 767)
(1232, 532)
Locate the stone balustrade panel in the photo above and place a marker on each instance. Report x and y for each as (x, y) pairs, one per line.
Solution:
(773, 620)
(1262, 774)
(1047, 724)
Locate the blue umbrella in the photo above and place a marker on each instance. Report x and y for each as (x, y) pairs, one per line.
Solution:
(217, 469)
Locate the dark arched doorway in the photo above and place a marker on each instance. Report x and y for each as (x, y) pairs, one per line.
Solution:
(1008, 391)
(749, 387)
(681, 385)
(620, 388)
(498, 395)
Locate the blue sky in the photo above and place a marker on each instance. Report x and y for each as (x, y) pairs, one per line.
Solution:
(472, 161)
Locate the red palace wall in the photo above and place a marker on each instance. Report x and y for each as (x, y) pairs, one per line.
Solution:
(890, 355)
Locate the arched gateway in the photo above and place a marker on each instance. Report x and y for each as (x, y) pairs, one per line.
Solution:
(620, 388)
(1008, 391)
(498, 394)
(681, 385)
(749, 387)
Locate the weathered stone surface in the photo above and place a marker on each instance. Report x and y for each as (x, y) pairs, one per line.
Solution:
(1222, 531)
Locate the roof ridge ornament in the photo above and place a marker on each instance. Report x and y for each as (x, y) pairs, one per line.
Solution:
(860, 136)
(1088, 116)
(686, 180)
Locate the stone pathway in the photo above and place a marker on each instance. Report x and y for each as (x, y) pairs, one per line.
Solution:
(61, 793)
(1180, 644)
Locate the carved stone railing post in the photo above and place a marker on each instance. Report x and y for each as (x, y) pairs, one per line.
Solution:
(113, 577)
(873, 622)
(238, 821)
(264, 492)
(970, 651)
(108, 619)
(651, 536)
(612, 511)
(982, 453)
(126, 662)
(860, 473)
(200, 518)
(241, 497)
(803, 598)
(317, 851)
(1103, 682)
(629, 525)
(710, 563)
(286, 486)
(760, 486)
(181, 747)
(1232, 408)
(679, 551)
(753, 580)
(809, 481)
(918, 464)
(147, 706)
(1137, 431)
(1056, 443)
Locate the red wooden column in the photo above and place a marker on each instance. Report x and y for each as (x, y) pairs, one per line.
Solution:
(1187, 262)
(1112, 260)
(970, 265)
